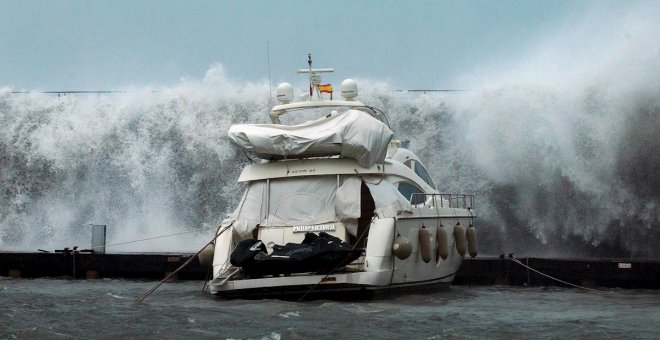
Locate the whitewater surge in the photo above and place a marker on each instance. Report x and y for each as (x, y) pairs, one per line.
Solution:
(144, 163)
(560, 146)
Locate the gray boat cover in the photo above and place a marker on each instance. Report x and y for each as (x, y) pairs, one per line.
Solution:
(352, 134)
(313, 200)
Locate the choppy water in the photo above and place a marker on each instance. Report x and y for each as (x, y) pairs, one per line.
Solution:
(53, 308)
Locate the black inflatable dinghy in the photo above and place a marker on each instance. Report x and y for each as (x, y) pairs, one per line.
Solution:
(319, 254)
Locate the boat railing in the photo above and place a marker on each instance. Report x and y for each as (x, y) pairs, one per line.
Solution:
(443, 200)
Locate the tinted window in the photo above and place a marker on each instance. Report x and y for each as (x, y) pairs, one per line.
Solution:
(407, 190)
(421, 172)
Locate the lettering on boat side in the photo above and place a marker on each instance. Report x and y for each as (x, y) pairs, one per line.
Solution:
(625, 265)
(313, 228)
(301, 171)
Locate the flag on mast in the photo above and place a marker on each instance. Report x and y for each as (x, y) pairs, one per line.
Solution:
(325, 88)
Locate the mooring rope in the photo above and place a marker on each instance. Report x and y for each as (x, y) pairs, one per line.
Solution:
(153, 289)
(154, 237)
(381, 174)
(515, 260)
(357, 242)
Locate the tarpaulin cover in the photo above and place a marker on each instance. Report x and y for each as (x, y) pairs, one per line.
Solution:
(351, 134)
(313, 200)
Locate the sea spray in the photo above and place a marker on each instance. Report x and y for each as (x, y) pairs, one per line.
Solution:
(560, 175)
(559, 145)
(145, 163)
(567, 136)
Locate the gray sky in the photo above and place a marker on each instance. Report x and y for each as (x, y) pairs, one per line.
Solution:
(100, 45)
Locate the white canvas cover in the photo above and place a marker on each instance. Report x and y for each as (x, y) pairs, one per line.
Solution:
(388, 200)
(347, 201)
(250, 210)
(313, 200)
(302, 201)
(351, 134)
(293, 201)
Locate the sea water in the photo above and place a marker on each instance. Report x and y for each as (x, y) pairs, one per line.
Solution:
(57, 308)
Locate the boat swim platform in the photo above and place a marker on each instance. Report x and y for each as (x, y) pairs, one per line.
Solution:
(502, 270)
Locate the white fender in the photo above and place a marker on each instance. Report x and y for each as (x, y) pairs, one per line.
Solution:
(471, 235)
(459, 237)
(402, 248)
(424, 237)
(442, 248)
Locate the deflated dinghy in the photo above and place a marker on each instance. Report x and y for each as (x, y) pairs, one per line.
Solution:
(318, 254)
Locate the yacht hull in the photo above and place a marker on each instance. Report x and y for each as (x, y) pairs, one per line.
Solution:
(375, 198)
(335, 287)
(378, 272)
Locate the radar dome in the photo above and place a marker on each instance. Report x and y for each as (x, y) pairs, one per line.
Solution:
(349, 89)
(285, 93)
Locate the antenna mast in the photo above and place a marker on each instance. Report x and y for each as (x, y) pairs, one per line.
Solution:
(270, 84)
(314, 76)
(309, 62)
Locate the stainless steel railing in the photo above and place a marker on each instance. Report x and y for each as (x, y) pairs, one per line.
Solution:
(443, 200)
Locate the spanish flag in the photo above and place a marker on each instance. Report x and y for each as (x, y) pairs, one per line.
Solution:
(325, 88)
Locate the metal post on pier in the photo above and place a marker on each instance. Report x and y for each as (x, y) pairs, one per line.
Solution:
(98, 238)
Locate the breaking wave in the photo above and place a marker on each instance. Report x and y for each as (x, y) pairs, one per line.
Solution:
(561, 148)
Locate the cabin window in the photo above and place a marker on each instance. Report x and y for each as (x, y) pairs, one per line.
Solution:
(408, 190)
(423, 174)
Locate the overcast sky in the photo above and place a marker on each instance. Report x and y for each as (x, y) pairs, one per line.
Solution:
(102, 45)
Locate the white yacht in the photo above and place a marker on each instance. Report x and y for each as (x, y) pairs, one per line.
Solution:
(336, 206)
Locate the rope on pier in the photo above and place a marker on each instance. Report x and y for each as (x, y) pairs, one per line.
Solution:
(153, 289)
(515, 260)
(154, 237)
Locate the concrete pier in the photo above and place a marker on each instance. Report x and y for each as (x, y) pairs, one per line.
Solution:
(502, 270)
(623, 273)
(94, 266)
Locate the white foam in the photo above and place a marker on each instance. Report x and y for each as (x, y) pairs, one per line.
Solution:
(551, 128)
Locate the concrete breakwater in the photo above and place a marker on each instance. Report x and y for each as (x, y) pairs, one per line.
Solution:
(503, 270)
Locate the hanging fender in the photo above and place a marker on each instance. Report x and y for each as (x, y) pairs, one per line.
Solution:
(442, 249)
(471, 234)
(425, 244)
(459, 237)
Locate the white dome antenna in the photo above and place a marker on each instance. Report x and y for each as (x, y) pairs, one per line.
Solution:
(285, 93)
(349, 89)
